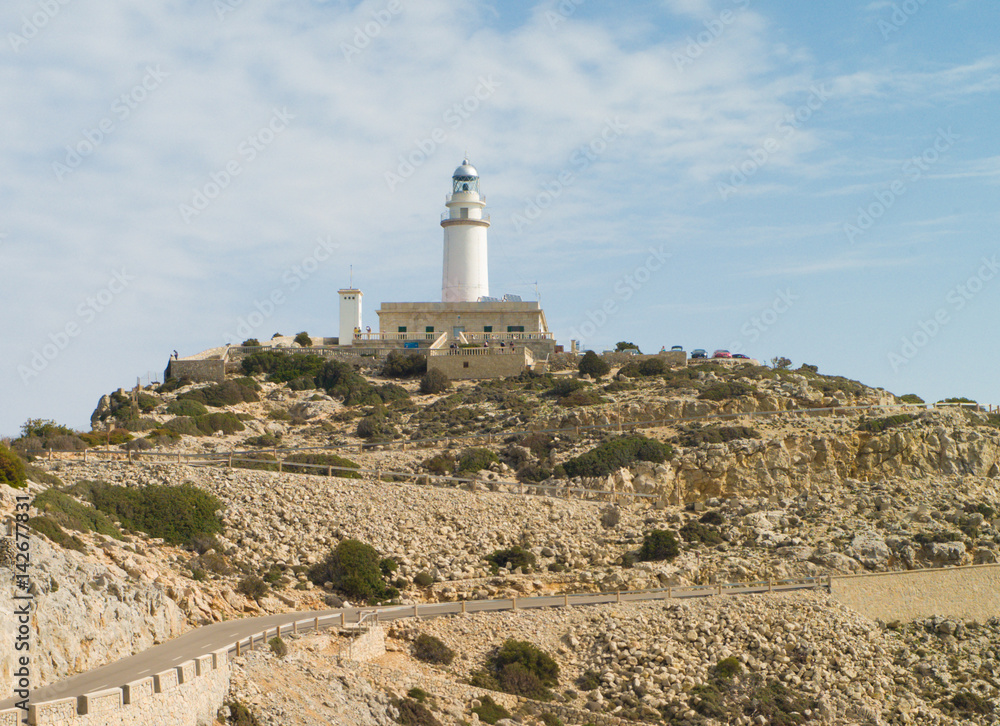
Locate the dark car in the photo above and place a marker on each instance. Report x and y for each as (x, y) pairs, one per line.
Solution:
(699, 353)
(741, 356)
(677, 347)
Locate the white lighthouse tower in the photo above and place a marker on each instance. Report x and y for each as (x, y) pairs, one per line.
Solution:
(466, 275)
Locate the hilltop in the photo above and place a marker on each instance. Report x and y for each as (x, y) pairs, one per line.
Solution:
(746, 494)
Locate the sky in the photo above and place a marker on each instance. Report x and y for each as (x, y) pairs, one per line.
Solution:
(816, 181)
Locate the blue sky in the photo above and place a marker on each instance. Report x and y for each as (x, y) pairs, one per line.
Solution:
(810, 180)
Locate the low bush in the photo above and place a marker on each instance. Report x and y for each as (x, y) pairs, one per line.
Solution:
(227, 393)
(414, 713)
(617, 454)
(969, 703)
(176, 514)
(376, 427)
(534, 473)
(67, 512)
(434, 381)
(51, 530)
(584, 397)
(431, 649)
(302, 383)
(652, 367)
(240, 715)
(517, 679)
(727, 669)
(659, 544)
(779, 705)
(593, 365)
(474, 460)
(878, 425)
(252, 587)
(282, 367)
(441, 464)
(489, 711)
(698, 532)
(550, 719)
(304, 340)
(523, 669)
(423, 579)
(418, 694)
(186, 407)
(724, 390)
(278, 646)
(589, 680)
(911, 398)
(251, 343)
(354, 569)
(115, 437)
(12, 471)
(712, 517)
(404, 365)
(610, 517)
(511, 558)
(564, 386)
(716, 435)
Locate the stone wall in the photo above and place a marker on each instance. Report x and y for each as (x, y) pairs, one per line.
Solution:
(961, 593)
(196, 370)
(369, 645)
(478, 363)
(188, 695)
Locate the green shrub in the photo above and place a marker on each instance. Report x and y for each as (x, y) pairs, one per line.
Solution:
(960, 399)
(176, 514)
(434, 381)
(390, 392)
(302, 383)
(659, 544)
(550, 719)
(441, 464)
(698, 532)
(12, 471)
(431, 649)
(724, 390)
(43, 428)
(304, 340)
(240, 715)
(967, 702)
(534, 473)
(115, 437)
(727, 669)
(184, 425)
(252, 587)
(652, 367)
(423, 579)
(281, 367)
(414, 713)
(511, 558)
(878, 425)
(223, 421)
(321, 460)
(260, 461)
(474, 460)
(533, 659)
(712, 517)
(911, 398)
(489, 711)
(227, 393)
(376, 427)
(251, 343)
(264, 441)
(778, 705)
(589, 680)
(593, 365)
(278, 647)
(625, 345)
(617, 454)
(403, 365)
(716, 435)
(50, 529)
(707, 700)
(585, 397)
(564, 386)
(517, 679)
(418, 694)
(354, 569)
(40, 476)
(68, 512)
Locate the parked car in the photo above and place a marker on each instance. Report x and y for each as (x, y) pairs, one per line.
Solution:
(722, 354)
(677, 347)
(741, 356)
(698, 353)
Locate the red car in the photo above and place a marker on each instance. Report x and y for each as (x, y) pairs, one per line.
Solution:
(721, 354)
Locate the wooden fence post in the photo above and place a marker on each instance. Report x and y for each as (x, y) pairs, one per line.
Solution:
(238, 646)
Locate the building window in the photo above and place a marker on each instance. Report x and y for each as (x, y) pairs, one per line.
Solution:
(401, 329)
(515, 328)
(465, 364)
(464, 213)
(487, 328)
(429, 329)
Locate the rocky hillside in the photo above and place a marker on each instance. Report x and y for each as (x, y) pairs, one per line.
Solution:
(748, 497)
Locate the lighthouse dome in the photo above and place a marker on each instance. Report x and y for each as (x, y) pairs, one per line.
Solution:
(465, 172)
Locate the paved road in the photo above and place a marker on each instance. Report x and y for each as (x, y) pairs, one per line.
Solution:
(210, 638)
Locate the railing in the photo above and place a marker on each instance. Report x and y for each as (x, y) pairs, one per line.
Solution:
(479, 337)
(446, 216)
(492, 350)
(396, 336)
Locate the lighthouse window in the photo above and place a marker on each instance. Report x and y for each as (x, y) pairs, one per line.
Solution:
(429, 329)
(464, 214)
(401, 329)
(515, 328)
(487, 328)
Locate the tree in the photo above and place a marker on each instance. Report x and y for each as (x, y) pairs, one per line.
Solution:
(434, 381)
(304, 340)
(660, 544)
(623, 345)
(780, 363)
(251, 343)
(593, 365)
(356, 570)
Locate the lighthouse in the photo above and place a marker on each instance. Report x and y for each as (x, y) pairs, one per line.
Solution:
(466, 275)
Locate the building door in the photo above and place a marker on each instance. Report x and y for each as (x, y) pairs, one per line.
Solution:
(455, 331)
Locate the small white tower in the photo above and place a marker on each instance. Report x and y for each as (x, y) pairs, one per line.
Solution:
(466, 275)
(350, 314)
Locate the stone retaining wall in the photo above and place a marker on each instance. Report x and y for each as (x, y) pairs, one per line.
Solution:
(962, 593)
(188, 695)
